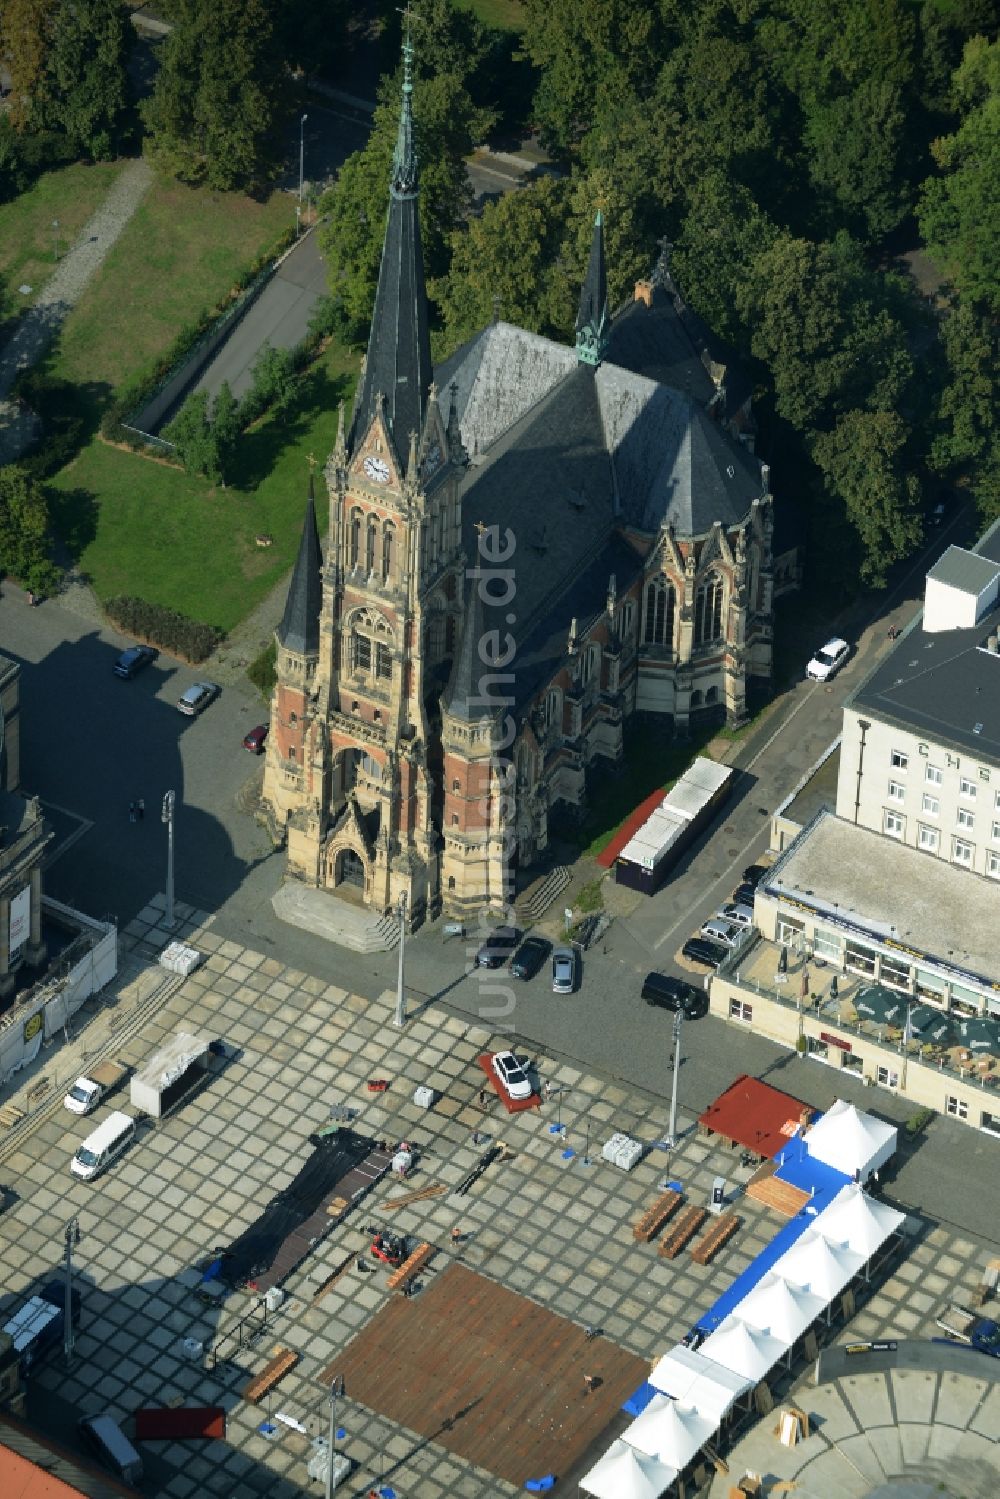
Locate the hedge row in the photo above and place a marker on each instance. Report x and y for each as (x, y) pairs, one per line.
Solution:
(156, 625)
(135, 393)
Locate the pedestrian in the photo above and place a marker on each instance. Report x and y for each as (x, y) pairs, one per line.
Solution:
(546, 1090)
(590, 1383)
(132, 813)
(483, 1095)
(456, 1236)
(140, 807)
(477, 1138)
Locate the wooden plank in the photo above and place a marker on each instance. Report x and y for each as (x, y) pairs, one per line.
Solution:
(284, 1359)
(411, 1266)
(420, 1195)
(685, 1228)
(719, 1234)
(654, 1217)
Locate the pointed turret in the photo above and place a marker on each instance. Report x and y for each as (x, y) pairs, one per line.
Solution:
(463, 697)
(593, 321)
(299, 628)
(398, 364)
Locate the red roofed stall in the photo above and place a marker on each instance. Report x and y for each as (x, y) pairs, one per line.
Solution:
(755, 1115)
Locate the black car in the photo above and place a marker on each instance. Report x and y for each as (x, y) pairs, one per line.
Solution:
(744, 893)
(498, 947)
(133, 660)
(668, 993)
(529, 957)
(704, 950)
(754, 873)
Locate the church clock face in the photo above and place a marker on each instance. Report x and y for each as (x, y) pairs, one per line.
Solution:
(377, 470)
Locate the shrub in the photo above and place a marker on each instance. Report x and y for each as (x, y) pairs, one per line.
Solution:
(262, 670)
(918, 1122)
(164, 627)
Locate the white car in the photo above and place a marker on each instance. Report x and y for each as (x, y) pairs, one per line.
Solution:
(830, 659)
(197, 697)
(738, 912)
(720, 929)
(512, 1076)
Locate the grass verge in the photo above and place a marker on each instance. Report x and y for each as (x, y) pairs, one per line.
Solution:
(28, 241)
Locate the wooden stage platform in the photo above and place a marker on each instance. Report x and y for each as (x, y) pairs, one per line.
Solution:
(488, 1375)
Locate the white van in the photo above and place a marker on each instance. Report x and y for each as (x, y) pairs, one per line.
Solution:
(103, 1146)
(112, 1446)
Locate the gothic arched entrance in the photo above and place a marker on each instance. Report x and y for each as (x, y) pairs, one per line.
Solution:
(349, 869)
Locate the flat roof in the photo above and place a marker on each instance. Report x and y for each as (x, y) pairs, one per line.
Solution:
(171, 1059)
(960, 568)
(816, 792)
(943, 685)
(757, 1116)
(934, 909)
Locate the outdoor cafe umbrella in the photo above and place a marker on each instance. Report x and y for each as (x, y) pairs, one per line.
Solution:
(980, 1034)
(878, 1003)
(834, 988)
(929, 1024)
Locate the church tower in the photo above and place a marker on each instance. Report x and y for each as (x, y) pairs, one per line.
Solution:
(367, 819)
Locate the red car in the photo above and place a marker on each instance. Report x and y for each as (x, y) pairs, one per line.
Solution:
(254, 741)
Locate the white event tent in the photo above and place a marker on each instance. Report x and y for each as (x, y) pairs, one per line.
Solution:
(819, 1266)
(857, 1221)
(744, 1349)
(781, 1309)
(623, 1473)
(695, 1381)
(852, 1142)
(673, 1433)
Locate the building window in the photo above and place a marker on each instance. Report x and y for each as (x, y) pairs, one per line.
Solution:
(354, 545)
(859, 959)
(450, 632)
(789, 930)
(993, 866)
(894, 975)
(933, 775)
(454, 819)
(628, 619)
(898, 760)
(962, 852)
(966, 819)
(995, 834)
(383, 660)
(291, 752)
(370, 545)
(451, 882)
(659, 622)
(740, 1010)
(996, 800)
(708, 611)
(930, 805)
(929, 839)
(897, 791)
(956, 1107)
(887, 1076)
(591, 657)
(388, 543)
(553, 710)
(967, 788)
(827, 946)
(893, 826)
(361, 652)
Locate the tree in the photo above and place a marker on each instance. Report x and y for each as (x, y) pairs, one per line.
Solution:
(218, 95)
(226, 426)
(862, 465)
(25, 532)
(820, 323)
(960, 209)
(82, 91)
(194, 439)
(23, 45)
(968, 419)
(273, 384)
(721, 235)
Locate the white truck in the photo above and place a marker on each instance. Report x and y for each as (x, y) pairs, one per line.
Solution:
(87, 1092)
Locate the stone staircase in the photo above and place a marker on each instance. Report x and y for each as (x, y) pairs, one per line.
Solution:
(339, 921)
(532, 903)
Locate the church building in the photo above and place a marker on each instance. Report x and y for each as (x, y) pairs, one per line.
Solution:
(525, 548)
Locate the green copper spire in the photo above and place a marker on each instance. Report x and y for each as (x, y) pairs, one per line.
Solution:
(404, 158)
(593, 320)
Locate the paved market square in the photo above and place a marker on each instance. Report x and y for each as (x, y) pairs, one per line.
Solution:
(552, 1223)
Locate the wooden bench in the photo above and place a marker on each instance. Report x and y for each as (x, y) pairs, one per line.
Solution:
(410, 1267)
(284, 1359)
(685, 1228)
(720, 1233)
(655, 1217)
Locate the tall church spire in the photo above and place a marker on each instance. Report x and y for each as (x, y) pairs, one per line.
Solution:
(398, 366)
(299, 628)
(593, 320)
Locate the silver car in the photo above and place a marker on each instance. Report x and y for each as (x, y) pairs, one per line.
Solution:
(737, 912)
(720, 930)
(198, 697)
(563, 970)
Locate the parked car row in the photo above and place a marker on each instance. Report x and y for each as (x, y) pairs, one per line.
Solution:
(721, 932)
(525, 958)
(194, 700)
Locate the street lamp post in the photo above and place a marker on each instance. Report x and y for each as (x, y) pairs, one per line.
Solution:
(336, 1387)
(401, 913)
(72, 1238)
(672, 1135)
(302, 154)
(55, 239)
(167, 816)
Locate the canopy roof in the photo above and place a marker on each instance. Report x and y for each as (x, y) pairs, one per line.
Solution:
(851, 1141)
(698, 1382)
(819, 1266)
(855, 1220)
(671, 1432)
(623, 1473)
(745, 1350)
(781, 1309)
(755, 1115)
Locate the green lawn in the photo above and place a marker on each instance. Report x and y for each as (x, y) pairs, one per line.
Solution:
(142, 528)
(179, 254)
(501, 15)
(27, 238)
